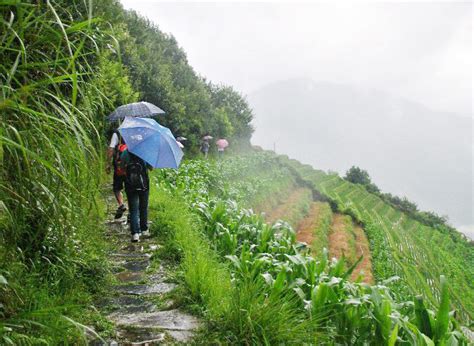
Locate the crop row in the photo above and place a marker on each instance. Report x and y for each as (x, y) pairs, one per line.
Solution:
(417, 253)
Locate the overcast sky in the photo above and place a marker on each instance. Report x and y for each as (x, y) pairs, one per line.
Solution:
(420, 51)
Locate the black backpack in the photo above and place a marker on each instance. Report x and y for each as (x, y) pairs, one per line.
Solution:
(136, 175)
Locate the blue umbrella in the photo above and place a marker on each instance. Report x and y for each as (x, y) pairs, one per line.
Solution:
(137, 109)
(152, 142)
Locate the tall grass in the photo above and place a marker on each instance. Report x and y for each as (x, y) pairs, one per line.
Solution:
(49, 143)
(207, 279)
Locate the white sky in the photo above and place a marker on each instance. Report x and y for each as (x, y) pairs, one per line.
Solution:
(421, 51)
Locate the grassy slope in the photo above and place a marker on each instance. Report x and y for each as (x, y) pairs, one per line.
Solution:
(251, 281)
(401, 246)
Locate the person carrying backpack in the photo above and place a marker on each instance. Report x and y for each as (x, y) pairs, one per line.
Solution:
(115, 149)
(205, 148)
(137, 187)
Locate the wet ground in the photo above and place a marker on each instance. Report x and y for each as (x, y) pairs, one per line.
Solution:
(139, 304)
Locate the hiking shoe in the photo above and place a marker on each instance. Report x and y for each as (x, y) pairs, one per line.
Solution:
(120, 211)
(135, 237)
(146, 233)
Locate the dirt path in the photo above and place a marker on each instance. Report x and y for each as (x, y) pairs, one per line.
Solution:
(284, 210)
(363, 249)
(339, 237)
(305, 232)
(140, 304)
(342, 242)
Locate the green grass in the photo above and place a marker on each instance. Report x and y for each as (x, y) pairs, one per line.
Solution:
(207, 279)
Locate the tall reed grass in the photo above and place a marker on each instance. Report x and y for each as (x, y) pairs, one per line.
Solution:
(50, 159)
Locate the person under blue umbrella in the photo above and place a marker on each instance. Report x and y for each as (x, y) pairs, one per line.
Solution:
(137, 188)
(117, 145)
(149, 145)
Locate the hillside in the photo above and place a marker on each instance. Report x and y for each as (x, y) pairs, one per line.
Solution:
(250, 248)
(402, 246)
(408, 149)
(399, 245)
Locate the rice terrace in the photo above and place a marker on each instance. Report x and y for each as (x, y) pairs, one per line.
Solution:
(136, 208)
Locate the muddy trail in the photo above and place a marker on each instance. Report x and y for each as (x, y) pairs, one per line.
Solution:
(349, 240)
(140, 304)
(305, 231)
(363, 249)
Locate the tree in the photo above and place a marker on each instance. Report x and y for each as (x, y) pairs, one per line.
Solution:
(357, 175)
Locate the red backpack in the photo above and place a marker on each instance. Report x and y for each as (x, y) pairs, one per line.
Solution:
(119, 167)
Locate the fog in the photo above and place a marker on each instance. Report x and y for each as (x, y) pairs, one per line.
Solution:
(407, 64)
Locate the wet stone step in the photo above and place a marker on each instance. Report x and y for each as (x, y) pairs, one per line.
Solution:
(131, 255)
(181, 335)
(136, 266)
(141, 336)
(128, 305)
(128, 276)
(133, 248)
(139, 290)
(169, 320)
(132, 266)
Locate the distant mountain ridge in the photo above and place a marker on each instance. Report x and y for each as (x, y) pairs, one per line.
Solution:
(407, 148)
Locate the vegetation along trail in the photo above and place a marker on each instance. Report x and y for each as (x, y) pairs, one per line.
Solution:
(212, 271)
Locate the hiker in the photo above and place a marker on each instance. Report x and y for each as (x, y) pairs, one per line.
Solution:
(180, 140)
(205, 147)
(115, 149)
(137, 186)
(221, 143)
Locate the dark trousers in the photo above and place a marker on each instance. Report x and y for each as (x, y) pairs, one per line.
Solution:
(138, 209)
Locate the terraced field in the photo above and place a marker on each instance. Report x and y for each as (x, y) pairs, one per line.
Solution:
(401, 246)
(319, 228)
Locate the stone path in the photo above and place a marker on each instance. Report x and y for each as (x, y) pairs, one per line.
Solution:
(138, 304)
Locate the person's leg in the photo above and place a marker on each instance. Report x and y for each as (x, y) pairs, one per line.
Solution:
(133, 205)
(118, 185)
(119, 197)
(143, 196)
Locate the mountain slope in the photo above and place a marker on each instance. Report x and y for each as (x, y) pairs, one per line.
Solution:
(408, 149)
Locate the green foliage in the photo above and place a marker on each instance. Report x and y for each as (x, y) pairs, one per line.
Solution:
(206, 278)
(160, 72)
(401, 246)
(357, 176)
(279, 294)
(51, 254)
(236, 108)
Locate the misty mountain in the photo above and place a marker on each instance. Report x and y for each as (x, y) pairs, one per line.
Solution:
(408, 149)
